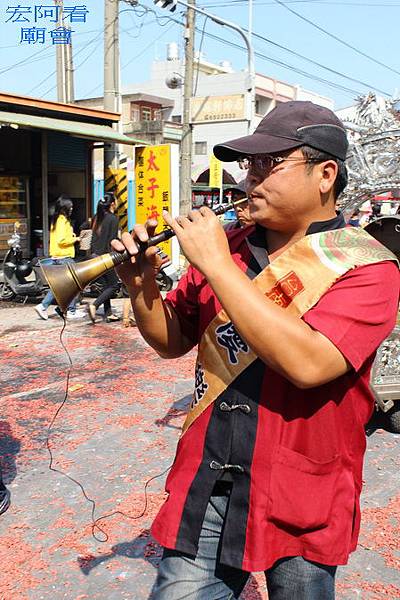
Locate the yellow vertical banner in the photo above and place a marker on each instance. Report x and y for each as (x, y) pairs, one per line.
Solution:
(153, 186)
(116, 181)
(215, 179)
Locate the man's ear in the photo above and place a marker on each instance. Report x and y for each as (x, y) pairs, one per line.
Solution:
(327, 171)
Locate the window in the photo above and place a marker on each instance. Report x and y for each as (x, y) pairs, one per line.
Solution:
(146, 113)
(176, 118)
(200, 147)
(135, 113)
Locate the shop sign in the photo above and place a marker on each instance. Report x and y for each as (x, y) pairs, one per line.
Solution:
(215, 178)
(209, 109)
(153, 186)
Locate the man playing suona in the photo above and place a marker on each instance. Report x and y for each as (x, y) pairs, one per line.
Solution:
(287, 314)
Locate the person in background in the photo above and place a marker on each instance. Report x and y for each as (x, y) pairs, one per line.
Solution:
(243, 218)
(85, 239)
(62, 250)
(376, 211)
(127, 317)
(105, 229)
(354, 220)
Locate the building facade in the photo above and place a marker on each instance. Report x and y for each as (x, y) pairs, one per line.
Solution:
(152, 110)
(46, 150)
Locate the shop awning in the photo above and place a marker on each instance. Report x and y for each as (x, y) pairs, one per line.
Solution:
(90, 131)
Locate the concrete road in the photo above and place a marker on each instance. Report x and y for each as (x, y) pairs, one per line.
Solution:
(112, 436)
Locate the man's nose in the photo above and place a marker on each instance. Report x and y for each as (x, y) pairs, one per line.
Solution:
(253, 179)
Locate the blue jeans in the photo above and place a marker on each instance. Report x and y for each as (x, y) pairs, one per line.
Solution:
(203, 578)
(49, 297)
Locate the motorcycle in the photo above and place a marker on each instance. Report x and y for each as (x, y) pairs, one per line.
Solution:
(17, 270)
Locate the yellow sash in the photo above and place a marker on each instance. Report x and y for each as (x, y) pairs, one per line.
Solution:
(295, 281)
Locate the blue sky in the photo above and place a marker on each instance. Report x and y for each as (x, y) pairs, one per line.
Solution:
(369, 26)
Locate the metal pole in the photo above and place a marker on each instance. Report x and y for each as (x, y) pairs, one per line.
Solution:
(45, 194)
(250, 58)
(111, 73)
(60, 58)
(69, 73)
(185, 192)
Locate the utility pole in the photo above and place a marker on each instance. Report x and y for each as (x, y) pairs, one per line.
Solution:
(186, 146)
(60, 57)
(64, 64)
(69, 71)
(112, 100)
(185, 191)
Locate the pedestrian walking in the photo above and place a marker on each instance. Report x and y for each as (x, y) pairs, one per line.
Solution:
(105, 229)
(242, 212)
(287, 316)
(127, 318)
(62, 250)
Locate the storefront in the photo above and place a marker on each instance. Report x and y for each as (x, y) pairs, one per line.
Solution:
(46, 150)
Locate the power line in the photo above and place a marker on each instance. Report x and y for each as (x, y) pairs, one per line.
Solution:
(88, 94)
(336, 38)
(310, 60)
(347, 90)
(291, 67)
(25, 60)
(362, 4)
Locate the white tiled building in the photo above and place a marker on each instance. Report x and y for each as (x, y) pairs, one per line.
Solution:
(152, 111)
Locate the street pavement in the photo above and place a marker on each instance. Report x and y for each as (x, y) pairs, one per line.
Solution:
(112, 439)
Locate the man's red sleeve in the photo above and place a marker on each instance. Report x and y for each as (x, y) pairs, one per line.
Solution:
(359, 311)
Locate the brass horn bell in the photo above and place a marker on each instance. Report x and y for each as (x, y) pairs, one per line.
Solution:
(66, 281)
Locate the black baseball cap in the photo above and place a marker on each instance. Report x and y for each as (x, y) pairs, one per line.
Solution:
(288, 126)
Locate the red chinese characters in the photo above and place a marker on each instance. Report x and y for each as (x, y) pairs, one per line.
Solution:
(285, 289)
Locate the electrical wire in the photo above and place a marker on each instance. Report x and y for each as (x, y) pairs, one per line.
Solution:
(360, 52)
(310, 60)
(342, 88)
(88, 94)
(298, 70)
(198, 63)
(347, 90)
(96, 528)
(24, 60)
(361, 4)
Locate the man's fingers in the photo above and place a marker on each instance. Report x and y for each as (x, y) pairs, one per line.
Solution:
(117, 245)
(169, 220)
(128, 243)
(151, 226)
(140, 231)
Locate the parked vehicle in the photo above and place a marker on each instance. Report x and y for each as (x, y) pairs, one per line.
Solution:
(385, 374)
(21, 277)
(167, 275)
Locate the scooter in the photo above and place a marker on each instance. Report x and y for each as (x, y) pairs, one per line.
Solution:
(17, 270)
(167, 275)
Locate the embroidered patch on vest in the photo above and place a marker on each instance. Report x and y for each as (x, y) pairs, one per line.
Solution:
(228, 338)
(200, 386)
(286, 289)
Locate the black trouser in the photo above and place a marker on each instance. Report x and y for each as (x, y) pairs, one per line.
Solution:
(109, 284)
(2, 486)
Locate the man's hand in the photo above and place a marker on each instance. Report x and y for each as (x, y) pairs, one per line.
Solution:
(201, 238)
(143, 266)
